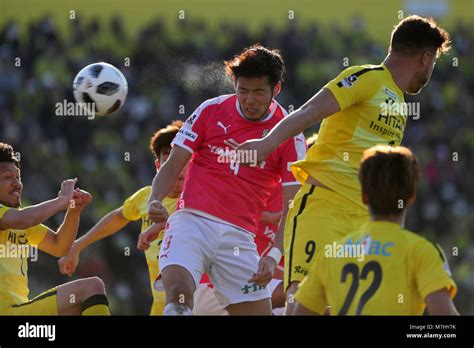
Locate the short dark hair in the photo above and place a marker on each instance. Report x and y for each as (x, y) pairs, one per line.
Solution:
(8, 155)
(414, 34)
(164, 137)
(257, 61)
(387, 175)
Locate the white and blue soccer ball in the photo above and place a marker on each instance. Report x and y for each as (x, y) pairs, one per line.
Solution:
(102, 85)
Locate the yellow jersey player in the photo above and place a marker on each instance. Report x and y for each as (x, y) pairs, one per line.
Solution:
(362, 107)
(21, 231)
(382, 268)
(134, 208)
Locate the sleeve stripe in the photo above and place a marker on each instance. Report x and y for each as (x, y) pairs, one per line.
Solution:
(438, 249)
(183, 146)
(361, 72)
(291, 183)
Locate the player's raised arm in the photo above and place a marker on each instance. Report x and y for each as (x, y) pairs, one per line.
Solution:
(36, 214)
(58, 243)
(164, 182)
(320, 106)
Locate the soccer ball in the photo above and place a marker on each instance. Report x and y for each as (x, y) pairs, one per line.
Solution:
(103, 85)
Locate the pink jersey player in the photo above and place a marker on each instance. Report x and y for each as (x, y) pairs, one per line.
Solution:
(225, 191)
(216, 184)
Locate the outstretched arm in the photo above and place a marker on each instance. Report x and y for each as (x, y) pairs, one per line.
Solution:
(320, 106)
(110, 224)
(37, 214)
(58, 244)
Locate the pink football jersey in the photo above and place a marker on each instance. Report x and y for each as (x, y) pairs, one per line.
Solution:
(216, 183)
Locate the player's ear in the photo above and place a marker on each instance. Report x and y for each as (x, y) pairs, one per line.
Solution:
(157, 164)
(277, 89)
(425, 57)
(411, 200)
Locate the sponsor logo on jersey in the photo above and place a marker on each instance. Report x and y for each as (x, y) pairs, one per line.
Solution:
(447, 269)
(373, 247)
(191, 119)
(390, 93)
(301, 270)
(349, 81)
(188, 134)
(220, 124)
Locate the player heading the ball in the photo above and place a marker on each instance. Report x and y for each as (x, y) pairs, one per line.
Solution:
(219, 210)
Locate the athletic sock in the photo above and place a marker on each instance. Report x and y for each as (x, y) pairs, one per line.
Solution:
(177, 309)
(95, 305)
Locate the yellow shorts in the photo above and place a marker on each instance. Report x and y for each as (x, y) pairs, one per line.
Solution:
(43, 304)
(316, 218)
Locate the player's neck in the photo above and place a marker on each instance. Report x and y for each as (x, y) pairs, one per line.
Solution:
(395, 218)
(399, 68)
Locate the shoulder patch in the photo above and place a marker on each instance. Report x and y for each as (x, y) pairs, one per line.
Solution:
(350, 80)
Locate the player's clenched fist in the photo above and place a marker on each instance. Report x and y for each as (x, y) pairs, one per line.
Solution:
(81, 199)
(149, 235)
(156, 212)
(266, 269)
(68, 264)
(67, 191)
(256, 150)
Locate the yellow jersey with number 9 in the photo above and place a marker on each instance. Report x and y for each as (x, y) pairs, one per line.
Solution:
(381, 269)
(371, 113)
(15, 249)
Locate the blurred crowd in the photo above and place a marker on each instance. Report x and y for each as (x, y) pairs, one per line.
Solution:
(170, 71)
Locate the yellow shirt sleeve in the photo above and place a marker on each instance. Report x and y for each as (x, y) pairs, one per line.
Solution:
(36, 234)
(311, 292)
(349, 89)
(130, 208)
(3, 210)
(432, 272)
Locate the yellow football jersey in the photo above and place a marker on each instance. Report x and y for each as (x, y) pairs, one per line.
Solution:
(381, 269)
(14, 253)
(135, 208)
(364, 94)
